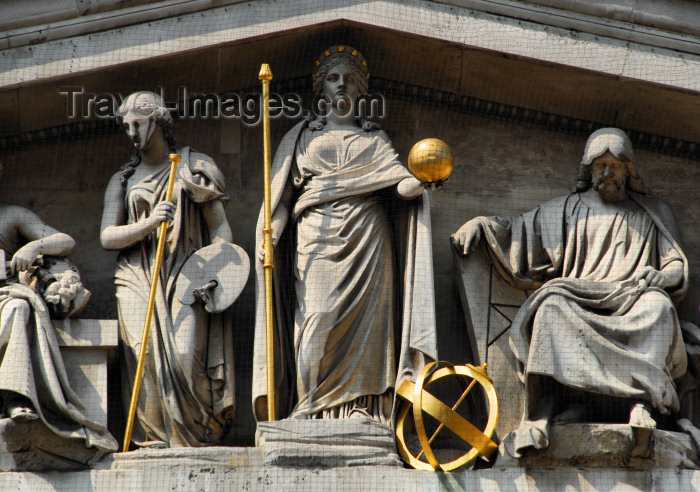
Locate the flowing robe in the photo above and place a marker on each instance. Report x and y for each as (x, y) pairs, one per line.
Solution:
(31, 364)
(187, 392)
(594, 327)
(349, 322)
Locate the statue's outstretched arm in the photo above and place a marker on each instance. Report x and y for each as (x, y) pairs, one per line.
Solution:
(42, 239)
(409, 188)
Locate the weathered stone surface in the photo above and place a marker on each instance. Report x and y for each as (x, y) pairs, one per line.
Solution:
(173, 458)
(227, 468)
(32, 446)
(320, 442)
(487, 31)
(86, 345)
(608, 446)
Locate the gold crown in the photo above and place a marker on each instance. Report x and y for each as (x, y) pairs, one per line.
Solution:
(346, 51)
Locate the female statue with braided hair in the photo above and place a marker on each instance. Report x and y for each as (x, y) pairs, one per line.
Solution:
(354, 300)
(187, 392)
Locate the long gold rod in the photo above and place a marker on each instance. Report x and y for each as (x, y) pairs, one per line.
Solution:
(266, 76)
(174, 159)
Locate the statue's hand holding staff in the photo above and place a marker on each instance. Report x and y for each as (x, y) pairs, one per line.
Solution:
(163, 212)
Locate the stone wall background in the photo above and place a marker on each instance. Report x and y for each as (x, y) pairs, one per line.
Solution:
(503, 165)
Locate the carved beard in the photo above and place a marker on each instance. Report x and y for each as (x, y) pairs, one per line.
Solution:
(610, 185)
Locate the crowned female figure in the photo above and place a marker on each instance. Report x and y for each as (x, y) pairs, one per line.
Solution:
(353, 260)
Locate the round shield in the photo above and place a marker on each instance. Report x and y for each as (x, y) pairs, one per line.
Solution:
(215, 274)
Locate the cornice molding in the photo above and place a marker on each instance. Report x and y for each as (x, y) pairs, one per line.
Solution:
(474, 29)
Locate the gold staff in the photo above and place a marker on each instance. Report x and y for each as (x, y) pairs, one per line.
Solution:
(174, 159)
(265, 76)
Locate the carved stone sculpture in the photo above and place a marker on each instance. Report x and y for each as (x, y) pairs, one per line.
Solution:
(345, 213)
(36, 282)
(601, 330)
(187, 392)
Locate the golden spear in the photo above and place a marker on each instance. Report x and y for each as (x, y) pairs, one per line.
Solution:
(174, 159)
(265, 77)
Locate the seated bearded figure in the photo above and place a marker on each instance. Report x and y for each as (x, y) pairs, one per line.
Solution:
(601, 330)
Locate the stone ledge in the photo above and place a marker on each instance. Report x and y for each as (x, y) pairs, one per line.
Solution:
(224, 469)
(609, 446)
(208, 457)
(87, 333)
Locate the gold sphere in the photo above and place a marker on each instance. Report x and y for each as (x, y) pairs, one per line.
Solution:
(431, 160)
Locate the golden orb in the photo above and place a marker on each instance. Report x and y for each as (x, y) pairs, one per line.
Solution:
(431, 160)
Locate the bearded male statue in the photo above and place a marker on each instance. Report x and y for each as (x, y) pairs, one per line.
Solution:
(601, 330)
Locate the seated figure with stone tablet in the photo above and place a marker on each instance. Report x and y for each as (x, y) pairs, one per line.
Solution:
(601, 329)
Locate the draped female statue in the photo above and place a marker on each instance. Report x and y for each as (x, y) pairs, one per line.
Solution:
(353, 260)
(186, 397)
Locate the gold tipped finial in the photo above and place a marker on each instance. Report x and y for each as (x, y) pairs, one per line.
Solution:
(175, 158)
(265, 72)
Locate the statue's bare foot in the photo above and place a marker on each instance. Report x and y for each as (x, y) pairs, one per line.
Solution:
(640, 416)
(575, 413)
(20, 409)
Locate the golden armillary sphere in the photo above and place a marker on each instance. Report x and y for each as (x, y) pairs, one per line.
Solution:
(431, 162)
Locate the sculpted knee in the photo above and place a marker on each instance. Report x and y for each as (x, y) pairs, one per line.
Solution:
(550, 308)
(16, 306)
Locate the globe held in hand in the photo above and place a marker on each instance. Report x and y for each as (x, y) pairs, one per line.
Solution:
(431, 160)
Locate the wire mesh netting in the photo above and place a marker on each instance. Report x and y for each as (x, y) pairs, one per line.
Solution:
(368, 285)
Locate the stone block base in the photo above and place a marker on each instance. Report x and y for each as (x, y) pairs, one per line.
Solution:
(225, 469)
(31, 446)
(348, 442)
(608, 446)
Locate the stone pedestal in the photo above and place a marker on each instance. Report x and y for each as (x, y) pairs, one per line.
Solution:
(608, 446)
(32, 446)
(348, 442)
(225, 469)
(86, 346)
